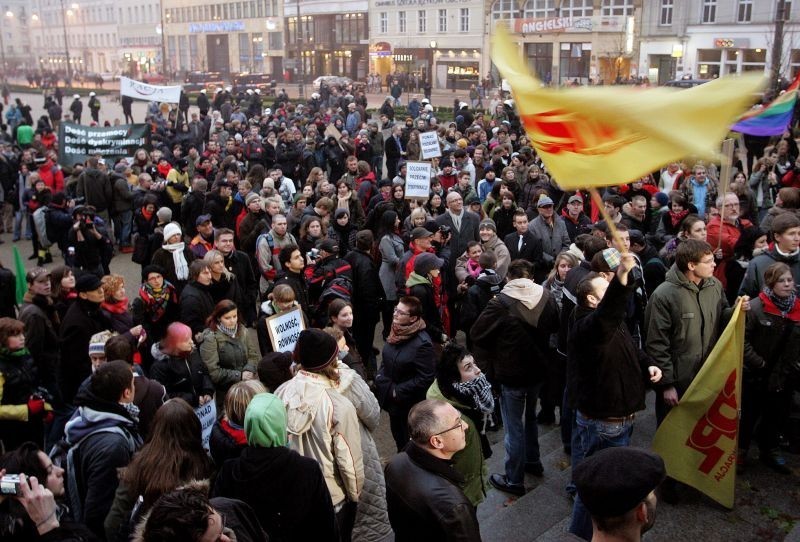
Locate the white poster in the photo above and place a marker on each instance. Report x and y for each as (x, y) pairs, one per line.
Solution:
(151, 93)
(207, 415)
(429, 145)
(284, 329)
(418, 180)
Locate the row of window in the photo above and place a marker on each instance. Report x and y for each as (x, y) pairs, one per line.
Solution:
(328, 29)
(223, 11)
(744, 11)
(76, 39)
(536, 9)
(422, 21)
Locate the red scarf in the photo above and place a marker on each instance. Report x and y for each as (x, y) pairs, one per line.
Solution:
(238, 435)
(770, 308)
(675, 218)
(117, 307)
(147, 215)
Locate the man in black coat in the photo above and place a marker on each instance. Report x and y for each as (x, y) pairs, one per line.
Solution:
(511, 344)
(610, 371)
(238, 263)
(292, 265)
(202, 103)
(423, 493)
(408, 367)
(367, 297)
(463, 226)
(395, 149)
(522, 244)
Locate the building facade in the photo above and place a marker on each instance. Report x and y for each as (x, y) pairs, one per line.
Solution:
(703, 39)
(568, 40)
(16, 48)
(441, 41)
(332, 39)
(225, 37)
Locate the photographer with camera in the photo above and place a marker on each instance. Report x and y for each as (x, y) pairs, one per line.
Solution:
(29, 508)
(85, 241)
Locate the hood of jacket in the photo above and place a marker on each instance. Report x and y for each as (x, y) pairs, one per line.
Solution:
(94, 414)
(414, 279)
(525, 291)
(492, 243)
(490, 278)
(303, 396)
(157, 353)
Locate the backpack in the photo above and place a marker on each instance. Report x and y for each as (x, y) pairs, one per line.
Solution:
(40, 223)
(339, 287)
(63, 455)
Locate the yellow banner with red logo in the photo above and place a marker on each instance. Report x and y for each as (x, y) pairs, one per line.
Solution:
(698, 438)
(602, 136)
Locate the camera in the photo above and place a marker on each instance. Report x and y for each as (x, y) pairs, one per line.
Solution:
(9, 484)
(444, 229)
(313, 254)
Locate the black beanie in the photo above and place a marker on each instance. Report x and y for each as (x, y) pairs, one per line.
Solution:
(315, 349)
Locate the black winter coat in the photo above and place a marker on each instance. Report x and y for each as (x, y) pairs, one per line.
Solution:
(608, 369)
(430, 312)
(286, 490)
(407, 371)
(82, 320)
(425, 501)
(41, 337)
(196, 305)
(238, 263)
(186, 378)
(511, 342)
(367, 288)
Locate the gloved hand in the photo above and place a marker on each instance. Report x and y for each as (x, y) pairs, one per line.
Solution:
(35, 406)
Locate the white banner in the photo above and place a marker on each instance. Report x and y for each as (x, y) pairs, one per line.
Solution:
(151, 93)
(429, 145)
(207, 415)
(284, 328)
(418, 180)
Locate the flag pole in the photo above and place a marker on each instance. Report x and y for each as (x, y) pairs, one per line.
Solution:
(724, 181)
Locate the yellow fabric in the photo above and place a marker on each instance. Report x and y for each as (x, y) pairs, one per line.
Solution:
(177, 177)
(11, 412)
(603, 136)
(698, 438)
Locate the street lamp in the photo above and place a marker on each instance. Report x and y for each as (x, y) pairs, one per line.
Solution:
(163, 40)
(301, 91)
(432, 76)
(66, 42)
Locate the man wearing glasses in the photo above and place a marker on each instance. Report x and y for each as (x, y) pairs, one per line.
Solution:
(724, 232)
(423, 491)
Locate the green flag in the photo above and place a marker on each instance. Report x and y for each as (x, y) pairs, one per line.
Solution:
(19, 270)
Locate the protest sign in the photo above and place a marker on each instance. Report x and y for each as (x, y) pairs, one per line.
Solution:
(151, 93)
(429, 145)
(284, 329)
(207, 414)
(331, 131)
(418, 180)
(77, 142)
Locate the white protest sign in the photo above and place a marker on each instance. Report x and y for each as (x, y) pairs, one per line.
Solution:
(284, 329)
(207, 414)
(418, 180)
(429, 145)
(151, 93)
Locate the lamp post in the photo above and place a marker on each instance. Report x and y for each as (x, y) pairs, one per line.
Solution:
(301, 91)
(66, 42)
(432, 75)
(163, 41)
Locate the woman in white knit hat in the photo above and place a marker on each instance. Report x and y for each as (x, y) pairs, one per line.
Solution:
(174, 256)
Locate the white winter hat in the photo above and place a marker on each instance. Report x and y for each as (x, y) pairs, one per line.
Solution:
(77, 96)
(92, 94)
(170, 230)
(202, 91)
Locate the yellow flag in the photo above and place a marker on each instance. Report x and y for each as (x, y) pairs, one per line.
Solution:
(698, 438)
(602, 136)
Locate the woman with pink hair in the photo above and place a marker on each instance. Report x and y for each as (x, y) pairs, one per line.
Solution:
(177, 365)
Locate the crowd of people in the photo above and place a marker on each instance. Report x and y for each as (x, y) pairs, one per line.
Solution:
(500, 302)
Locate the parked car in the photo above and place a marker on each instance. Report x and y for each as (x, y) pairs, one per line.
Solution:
(686, 83)
(261, 81)
(154, 78)
(196, 81)
(332, 80)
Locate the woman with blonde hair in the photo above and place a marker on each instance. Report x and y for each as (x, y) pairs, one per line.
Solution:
(227, 436)
(223, 283)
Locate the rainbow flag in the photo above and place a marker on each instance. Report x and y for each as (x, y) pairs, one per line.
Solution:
(771, 119)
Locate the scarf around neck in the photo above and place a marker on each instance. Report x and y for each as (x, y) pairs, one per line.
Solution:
(403, 332)
(117, 307)
(156, 301)
(229, 331)
(783, 304)
(178, 259)
(479, 391)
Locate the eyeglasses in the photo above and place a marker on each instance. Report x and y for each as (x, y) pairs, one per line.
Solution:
(402, 313)
(459, 425)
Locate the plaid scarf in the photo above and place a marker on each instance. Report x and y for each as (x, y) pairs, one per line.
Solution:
(156, 301)
(479, 390)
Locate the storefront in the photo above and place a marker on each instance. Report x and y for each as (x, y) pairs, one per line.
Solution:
(457, 69)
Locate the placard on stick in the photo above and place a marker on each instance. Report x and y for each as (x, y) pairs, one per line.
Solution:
(418, 180)
(429, 145)
(284, 329)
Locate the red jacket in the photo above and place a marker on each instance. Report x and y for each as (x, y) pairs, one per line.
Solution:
(52, 176)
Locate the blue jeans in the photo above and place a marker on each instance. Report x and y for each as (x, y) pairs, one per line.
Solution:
(123, 223)
(594, 435)
(518, 406)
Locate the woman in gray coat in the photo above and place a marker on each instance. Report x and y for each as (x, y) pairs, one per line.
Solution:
(226, 350)
(372, 519)
(391, 247)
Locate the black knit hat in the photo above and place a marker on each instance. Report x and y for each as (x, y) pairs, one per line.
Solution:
(88, 282)
(315, 350)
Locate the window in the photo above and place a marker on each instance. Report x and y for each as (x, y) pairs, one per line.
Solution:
(504, 9)
(463, 20)
(709, 11)
(539, 8)
(787, 10)
(617, 7)
(540, 59)
(422, 21)
(401, 22)
(384, 22)
(442, 20)
(666, 12)
(576, 8)
(745, 12)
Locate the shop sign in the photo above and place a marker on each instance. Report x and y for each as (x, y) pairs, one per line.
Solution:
(400, 3)
(555, 25)
(732, 43)
(216, 27)
(380, 49)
